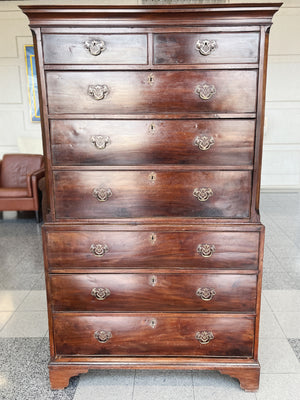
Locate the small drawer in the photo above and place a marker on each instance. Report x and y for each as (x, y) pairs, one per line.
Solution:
(72, 248)
(153, 292)
(136, 142)
(145, 92)
(95, 49)
(204, 48)
(154, 334)
(142, 194)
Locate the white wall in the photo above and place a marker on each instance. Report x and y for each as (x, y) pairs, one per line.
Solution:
(281, 156)
(15, 125)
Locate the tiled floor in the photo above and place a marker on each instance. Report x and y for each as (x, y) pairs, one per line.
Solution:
(23, 324)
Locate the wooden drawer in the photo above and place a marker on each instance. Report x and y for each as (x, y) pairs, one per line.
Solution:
(70, 248)
(153, 334)
(144, 92)
(136, 142)
(153, 292)
(138, 194)
(95, 49)
(202, 48)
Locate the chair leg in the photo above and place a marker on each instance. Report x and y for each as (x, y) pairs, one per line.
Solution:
(37, 217)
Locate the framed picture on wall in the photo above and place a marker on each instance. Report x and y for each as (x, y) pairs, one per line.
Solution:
(32, 84)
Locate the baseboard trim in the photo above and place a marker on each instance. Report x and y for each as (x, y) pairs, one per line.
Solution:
(281, 189)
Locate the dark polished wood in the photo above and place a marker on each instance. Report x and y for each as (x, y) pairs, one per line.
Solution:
(145, 92)
(137, 142)
(153, 292)
(134, 249)
(136, 194)
(117, 49)
(152, 120)
(181, 48)
(137, 334)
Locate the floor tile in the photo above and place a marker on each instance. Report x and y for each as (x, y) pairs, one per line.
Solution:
(163, 385)
(276, 356)
(277, 280)
(7, 386)
(269, 326)
(10, 300)
(264, 304)
(4, 317)
(16, 353)
(26, 324)
(270, 262)
(295, 344)
(32, 383)
(106, 384)
(211, 384)
(18, 280)
(290, 323)
(42, 352)
(283, 300)
(39, 284)
(279, 387)
(291, 264)
(35, 301)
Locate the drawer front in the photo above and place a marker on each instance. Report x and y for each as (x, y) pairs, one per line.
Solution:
(198, 142)
(141, 249)
(202, 48)
(153, 334)
(153, 292)
(135, 92)
(138, 194)
(95, 49)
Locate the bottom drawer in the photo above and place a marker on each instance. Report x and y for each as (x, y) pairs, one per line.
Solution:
(155, 334)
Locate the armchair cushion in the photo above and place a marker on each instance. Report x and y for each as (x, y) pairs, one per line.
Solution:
(19, 176)
(13, 192)
(16, 168)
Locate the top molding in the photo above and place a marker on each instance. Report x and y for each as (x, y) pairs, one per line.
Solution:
(143, 15)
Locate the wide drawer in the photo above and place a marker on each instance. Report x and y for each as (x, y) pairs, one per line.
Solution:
(200, 48)
(153, 334)
(142, 92)
(95, 49)
(137, 142)
(153, 292)
(86, 248)
(137, 194)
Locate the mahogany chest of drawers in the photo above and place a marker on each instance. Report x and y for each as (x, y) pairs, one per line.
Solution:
(152, 125)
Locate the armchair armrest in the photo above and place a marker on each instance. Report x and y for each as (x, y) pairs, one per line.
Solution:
(37, 175)
(34, 179)
(0, 171)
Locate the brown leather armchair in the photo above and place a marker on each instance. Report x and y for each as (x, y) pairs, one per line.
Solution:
(19, 176)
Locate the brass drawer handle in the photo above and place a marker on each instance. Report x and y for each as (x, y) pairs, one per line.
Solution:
(202, 194)
(206, 91)
(103, 336)
(100, 293)
(98, 92)
(206, 294)
(100, 142)
(98, 249)
(204, 337)
(206, 250)
(95, 47)
(102, 193)
(204, 142)
(206, 46)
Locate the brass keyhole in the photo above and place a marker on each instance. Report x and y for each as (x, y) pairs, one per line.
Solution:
(151, 79)
(152, 177)
(153, 280)
(153, 238)
(153, 323)
(152, 129)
